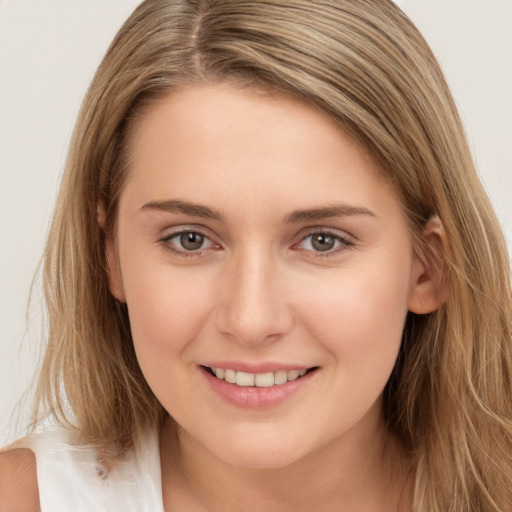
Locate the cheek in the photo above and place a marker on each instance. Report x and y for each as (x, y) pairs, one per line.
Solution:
(359, 317)
(166, 309)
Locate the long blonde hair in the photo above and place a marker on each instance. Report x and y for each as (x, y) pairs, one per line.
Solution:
(363, 62)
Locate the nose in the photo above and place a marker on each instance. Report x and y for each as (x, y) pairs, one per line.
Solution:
(253, 309)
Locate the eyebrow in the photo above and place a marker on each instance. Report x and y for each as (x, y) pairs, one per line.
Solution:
(297, 216)
(177, 206)
(336, 210)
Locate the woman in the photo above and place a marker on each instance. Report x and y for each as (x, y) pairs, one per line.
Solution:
(273, 278)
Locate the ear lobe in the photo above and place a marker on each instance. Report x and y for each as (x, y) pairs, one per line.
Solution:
(429, 283)
(115, 281)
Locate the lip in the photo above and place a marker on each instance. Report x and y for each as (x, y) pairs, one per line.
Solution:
(255, 397)
(263, 367)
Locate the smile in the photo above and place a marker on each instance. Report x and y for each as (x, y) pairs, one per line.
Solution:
(259, 380)
(269, 386)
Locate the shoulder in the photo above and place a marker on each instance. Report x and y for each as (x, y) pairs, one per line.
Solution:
(19, 490)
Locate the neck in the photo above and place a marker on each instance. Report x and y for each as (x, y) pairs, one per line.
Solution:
(363, 471)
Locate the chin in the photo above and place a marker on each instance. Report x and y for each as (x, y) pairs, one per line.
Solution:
(254, 453)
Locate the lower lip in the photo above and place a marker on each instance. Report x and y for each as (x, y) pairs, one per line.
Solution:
(252, 397)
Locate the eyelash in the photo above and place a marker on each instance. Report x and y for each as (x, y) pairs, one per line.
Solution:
(344, 243)
(165, 242)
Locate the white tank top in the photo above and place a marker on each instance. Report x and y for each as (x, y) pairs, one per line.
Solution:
(72, 478)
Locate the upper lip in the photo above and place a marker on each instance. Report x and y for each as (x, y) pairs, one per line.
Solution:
(249, 367)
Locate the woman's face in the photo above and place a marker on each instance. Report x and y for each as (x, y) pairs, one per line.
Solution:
(256, 240)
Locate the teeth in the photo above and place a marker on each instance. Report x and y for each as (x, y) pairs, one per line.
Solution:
(230, 376)
(244, 379)
(264, 380)
(280, 377)
(260, 380)
(293, 374)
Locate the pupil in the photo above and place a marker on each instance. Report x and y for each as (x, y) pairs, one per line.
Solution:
(191, 241)
(322, 242)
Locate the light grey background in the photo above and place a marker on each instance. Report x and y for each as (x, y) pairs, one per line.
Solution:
(49, 50)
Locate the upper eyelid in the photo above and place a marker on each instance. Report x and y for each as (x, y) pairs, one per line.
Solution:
(344, 236)
(184, 231)
(165, 242)
(339, 233)
(344, 245)
(346, 242)
(343, 240)
(170, 234)
(177, 230)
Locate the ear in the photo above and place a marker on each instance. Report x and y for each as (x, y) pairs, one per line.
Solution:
(429, 283)
(115, 282)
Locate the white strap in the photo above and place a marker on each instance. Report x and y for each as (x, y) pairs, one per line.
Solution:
(72, 479)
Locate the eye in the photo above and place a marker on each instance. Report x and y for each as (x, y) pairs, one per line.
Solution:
(190, 241)
(324, 243)
(186, 242)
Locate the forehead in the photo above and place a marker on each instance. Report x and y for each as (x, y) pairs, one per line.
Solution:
(246, 142)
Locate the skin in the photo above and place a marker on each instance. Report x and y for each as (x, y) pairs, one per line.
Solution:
(19, 490)
(259, 290)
